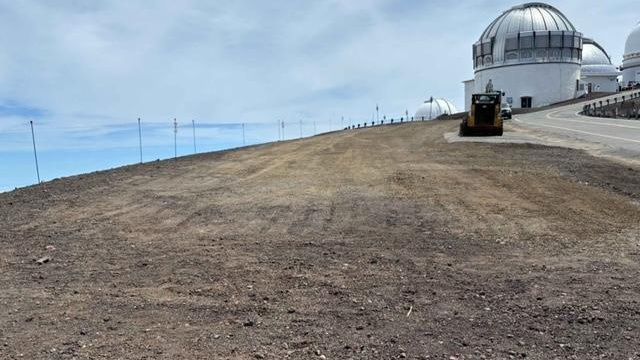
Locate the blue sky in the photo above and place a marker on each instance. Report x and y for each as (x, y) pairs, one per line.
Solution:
(84, 71)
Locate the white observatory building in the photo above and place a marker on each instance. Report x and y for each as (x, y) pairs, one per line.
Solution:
(532, 53)
(434, 108)
(631, 61)
(597, 73)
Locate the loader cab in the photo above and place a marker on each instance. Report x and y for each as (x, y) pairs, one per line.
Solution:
(485, 107)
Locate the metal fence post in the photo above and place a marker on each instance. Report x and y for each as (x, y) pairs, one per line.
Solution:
(175, 138)
(193, 123)
(35, 153)
(140, 138)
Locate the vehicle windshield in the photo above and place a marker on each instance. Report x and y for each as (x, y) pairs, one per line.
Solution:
(486, 98)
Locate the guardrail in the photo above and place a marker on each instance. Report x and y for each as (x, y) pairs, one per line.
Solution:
(625, 105)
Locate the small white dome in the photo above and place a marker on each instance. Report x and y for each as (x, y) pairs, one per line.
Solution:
(596, 61)
(633, 42)
(594, 54)
(434, 108)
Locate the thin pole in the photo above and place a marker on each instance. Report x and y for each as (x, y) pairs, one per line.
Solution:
(140, 138)
(342, 122)
(282, 130)
(193, 122)
(243, 139)
(377, 113)
(35, 153)
(175, 138)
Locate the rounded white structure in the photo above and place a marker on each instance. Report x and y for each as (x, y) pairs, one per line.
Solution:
(532, 53)
(631, 62)
(597, 74)
(434, 108)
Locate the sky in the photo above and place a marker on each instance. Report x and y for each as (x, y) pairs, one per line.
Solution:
(84, 71)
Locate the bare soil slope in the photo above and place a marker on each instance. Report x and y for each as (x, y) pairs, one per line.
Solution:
(381, 243)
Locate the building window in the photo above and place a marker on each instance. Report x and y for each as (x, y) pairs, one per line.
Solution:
(526, 42)
(511, 44)
(568, 41)
(542, 40)
(486, 48)
(525, 102)
(556, 41)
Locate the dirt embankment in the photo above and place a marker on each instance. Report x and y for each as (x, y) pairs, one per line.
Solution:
(374, 244)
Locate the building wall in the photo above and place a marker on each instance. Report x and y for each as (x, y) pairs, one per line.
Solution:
(546, 83)
(469, 88)
(631, 71)
(601, 83)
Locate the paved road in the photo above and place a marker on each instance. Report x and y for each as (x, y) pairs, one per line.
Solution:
(618, 136)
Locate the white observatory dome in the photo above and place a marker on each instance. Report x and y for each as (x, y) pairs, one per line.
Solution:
(434, 108)
(527, 33)
(631, 63)
(596, 61)
(632, 45)
(597, 73)
(532, 53)
(594, 54)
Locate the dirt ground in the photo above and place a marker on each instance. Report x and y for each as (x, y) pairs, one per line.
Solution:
(382, 243)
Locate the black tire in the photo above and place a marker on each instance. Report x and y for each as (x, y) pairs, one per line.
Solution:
(464, 130)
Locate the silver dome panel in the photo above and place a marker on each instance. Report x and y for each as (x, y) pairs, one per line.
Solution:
(528, 33)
